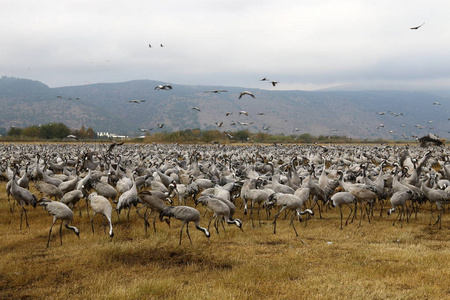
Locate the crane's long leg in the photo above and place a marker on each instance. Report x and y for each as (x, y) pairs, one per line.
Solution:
(92, 222)
(60, 232)
(292, 223)
(348, 218)
(181, 233)
(50, 233)
(340, 209)
(187, 231)
(222, 221)
(275, 220)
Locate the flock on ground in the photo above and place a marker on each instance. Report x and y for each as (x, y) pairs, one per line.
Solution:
(158, 182)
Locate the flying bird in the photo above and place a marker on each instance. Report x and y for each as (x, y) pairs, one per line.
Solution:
(196, 108)
(436, 103)
(243, 112)
(246, 93)
(149, 45)
(216, 91)
(161, 45)
(219, 124)
(163, 87)
(114, 144)
(260, 114)
(245, 123)
(136, 101)
(230, 136)
(417, 27)
(228, 113)
(266, 128)
(264, 79)
(145, 129)
(161, 125)
(274, 83)
(381, 113)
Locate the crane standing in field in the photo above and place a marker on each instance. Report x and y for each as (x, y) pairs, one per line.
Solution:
(59, 211)
(100, 205)
(186, 214)
(23, 197)
(221, 212)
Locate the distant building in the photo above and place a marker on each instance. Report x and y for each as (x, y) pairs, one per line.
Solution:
(111, 135)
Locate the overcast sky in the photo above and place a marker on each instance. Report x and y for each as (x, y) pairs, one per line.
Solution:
(306, 44)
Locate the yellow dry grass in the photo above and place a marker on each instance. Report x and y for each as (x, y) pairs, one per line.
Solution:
(374, 261)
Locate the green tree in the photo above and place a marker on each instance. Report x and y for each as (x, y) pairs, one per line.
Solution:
(15, 131)
(31, 131)
(242, 135)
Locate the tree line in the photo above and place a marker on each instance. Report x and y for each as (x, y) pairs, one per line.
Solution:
(51, 131)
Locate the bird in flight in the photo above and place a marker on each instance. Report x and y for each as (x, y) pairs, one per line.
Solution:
(246, 93)
(163, 87)
(196, 108)
(274, 83)
(436, 103)
(417, 27)
(228, 113)
(260, 114)
(230, 136)
(149, 45)
(243, 112)
(216, 91)
(136, 101)
(266, 128)
(264, 79)
(162, 45)
(145, 129)
(161, 125)
(244, 123)
(114, 144)
(219, 124)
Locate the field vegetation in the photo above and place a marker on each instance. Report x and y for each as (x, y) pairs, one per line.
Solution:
(374, 261)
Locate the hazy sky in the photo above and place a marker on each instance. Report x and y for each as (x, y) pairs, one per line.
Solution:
(304, 44)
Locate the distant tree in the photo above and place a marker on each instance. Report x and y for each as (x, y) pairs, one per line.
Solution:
(242, 135)
(15, 131)
(31, 131)
(51, 131)
(90, 133)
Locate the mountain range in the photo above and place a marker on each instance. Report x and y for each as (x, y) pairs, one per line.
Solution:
(109, 107)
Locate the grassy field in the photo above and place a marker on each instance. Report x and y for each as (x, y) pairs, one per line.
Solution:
(374, 261)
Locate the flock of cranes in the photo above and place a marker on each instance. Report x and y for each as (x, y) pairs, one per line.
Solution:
(170, 181)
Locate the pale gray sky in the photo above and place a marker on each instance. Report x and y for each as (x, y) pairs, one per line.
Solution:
(302, 44)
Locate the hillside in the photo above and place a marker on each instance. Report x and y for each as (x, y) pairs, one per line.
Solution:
(106, 107)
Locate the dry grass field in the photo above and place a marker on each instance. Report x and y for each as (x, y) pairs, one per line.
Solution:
(374, 261)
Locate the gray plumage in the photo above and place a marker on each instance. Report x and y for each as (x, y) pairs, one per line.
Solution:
(105, 189)
(48, 190)
(398, 200)
(221, 212)
(69, 185)
(59, 211)
(149, 200)
(127, 199)
(23, 197)
(344, 198)
(185, 214)
(100, 205)
(289, 202)
(73, 197)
